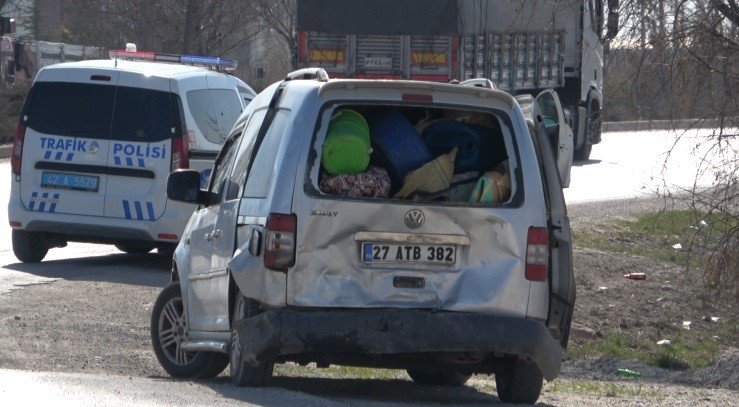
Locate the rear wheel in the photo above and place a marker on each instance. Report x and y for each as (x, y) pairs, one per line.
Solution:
(449, 378)
(169, 330)
(519, 382)
(29, 247)
(242, 373)
(134, 248)
(592, 133)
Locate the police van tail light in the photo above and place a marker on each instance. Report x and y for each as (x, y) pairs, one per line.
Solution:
(180, 153)
(279, 245)
(537, 254)
(17, 154)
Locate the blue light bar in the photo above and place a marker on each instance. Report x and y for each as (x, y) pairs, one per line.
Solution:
(209, 62)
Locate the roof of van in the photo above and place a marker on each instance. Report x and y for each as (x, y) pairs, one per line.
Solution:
(147, 68)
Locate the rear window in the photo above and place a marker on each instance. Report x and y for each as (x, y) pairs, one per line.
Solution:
(97, 111)
(142, 115)
(71, 109)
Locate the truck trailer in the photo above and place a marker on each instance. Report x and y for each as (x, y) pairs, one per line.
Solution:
(523, 46)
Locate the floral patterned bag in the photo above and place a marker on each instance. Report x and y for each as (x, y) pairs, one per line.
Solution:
(373, 183)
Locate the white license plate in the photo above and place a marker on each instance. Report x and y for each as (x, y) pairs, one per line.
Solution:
(409, 253)
(378, 62)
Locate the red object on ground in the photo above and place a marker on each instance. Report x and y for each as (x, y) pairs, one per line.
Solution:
(636, 276)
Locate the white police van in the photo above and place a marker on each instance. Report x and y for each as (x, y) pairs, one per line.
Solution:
(97, 139)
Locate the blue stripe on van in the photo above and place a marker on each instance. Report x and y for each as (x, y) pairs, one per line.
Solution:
(141, 163)
(117, 160)
(70, 156)
(58, 155)
(150, 210)
(126, 210)
(47, 155)
(129, 161)
(52, 207)
(139, 212)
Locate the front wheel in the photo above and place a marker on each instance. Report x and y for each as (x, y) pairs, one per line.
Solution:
(449, 378)
(29, 247)
(169, 330)
(242, 373)
(519, 382)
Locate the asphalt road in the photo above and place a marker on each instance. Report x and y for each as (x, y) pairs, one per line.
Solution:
(624, 166)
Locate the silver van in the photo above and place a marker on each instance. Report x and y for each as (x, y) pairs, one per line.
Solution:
(277, 266)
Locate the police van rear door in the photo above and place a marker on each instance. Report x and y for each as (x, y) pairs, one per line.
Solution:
(145, 119)
(67, 115)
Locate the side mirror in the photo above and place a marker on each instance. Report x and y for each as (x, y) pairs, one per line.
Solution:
(184, 186)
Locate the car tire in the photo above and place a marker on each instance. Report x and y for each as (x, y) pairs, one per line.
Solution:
(169, 329)
(166, 251)
(133, 248)
(448, 378)
(519, 382)
(242, 373)
(29, 247)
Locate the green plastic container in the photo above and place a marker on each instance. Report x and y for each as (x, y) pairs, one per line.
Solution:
(347, 148)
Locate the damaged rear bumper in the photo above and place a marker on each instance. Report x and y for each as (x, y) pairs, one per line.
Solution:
(283, 331)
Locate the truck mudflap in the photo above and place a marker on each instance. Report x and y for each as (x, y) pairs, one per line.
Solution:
(281, 332)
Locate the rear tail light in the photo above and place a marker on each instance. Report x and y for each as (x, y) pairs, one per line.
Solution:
(17, 155)
(537, 254)
(279, 252)
(180, 152)
(167, 236)
(15, 224)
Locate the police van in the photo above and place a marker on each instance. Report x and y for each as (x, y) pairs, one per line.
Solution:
(97, 139)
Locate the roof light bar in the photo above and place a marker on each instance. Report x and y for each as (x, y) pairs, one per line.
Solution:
(208, 62)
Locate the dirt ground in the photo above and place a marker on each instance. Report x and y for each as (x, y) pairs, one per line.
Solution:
(100, 324)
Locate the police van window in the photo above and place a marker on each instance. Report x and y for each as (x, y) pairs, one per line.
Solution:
(244, 155)
(228, 108)
(263, 169)
(142, 115)
(201, 109)
(222, 168)
(71, 109)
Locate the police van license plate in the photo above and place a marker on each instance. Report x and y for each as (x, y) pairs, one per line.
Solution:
(409, 253)
(76, 182)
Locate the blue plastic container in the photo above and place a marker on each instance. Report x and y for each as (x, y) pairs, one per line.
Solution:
(480, 148)
(397, 145)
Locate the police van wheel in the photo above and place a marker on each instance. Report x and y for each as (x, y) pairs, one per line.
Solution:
(519, 382)
(242, 373)
(169, 330)
(133, 248)
(29, 247)
(439, 377)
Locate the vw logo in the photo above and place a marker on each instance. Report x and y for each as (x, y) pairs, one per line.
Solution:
(414, 219)
(94, 148)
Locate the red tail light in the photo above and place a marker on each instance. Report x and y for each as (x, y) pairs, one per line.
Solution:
(17, 155)
(180, 153)
(537, 254)
(279, 252)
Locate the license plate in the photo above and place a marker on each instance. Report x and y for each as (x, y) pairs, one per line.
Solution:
(409, 254)
(76, 182)
(378, 62)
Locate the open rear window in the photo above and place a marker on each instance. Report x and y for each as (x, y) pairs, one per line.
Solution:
(422, 154)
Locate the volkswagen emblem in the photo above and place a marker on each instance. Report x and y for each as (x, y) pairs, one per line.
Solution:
(414, 219)
(94, 148)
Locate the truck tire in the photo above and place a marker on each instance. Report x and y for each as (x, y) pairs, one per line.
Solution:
(244, 374)
(29, 247)
(448, 378)
(593, 127)
(169, 329)
(519, 382)
(133, 248)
